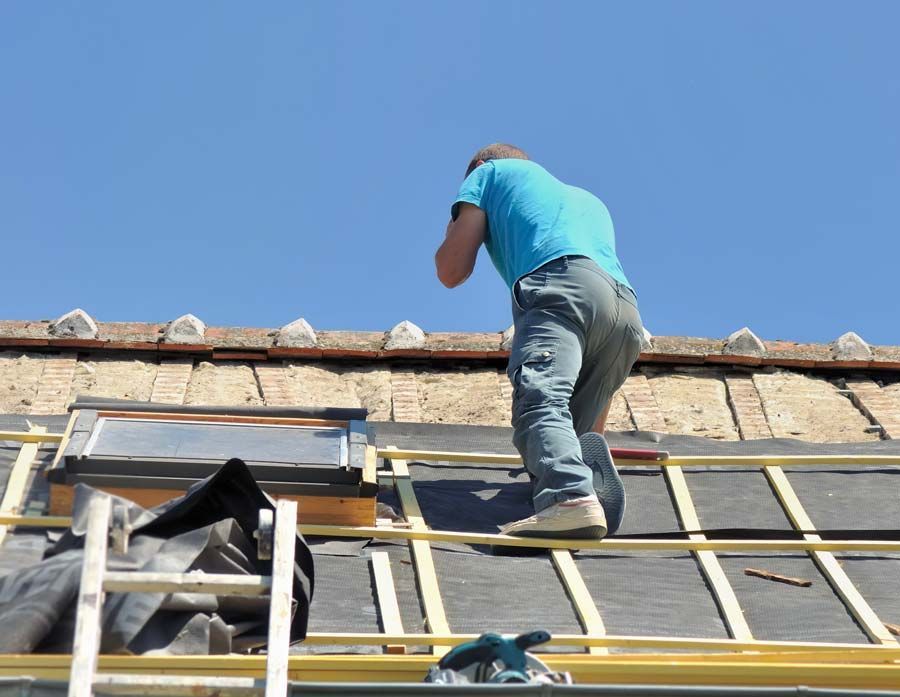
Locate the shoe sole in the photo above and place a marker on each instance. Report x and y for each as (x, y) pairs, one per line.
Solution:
(607, 482)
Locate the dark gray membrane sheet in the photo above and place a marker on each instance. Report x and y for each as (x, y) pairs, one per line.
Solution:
(659, 594)
(652, 594)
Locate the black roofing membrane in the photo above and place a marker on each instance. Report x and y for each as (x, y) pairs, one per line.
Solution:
(647, 594)
(651, 594)
(657, 594)
(877, 577)
(781, 612)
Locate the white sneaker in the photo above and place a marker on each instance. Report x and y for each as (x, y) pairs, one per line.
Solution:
(581, 518)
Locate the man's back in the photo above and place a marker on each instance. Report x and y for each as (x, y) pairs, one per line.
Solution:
(534, 218)
(577, 330)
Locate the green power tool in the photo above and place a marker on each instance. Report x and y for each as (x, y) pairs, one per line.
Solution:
(492, 658)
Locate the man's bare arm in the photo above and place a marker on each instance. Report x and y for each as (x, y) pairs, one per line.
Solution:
(455, 258)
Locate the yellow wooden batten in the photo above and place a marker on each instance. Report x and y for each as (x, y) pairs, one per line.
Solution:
(671, 461)
(609, 544)
(31, 437)
(671, 670)
(744, 660)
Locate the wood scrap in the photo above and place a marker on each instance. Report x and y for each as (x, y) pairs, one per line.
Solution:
(892, 628)
(772, 576)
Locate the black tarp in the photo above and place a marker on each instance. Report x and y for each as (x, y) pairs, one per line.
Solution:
(210, 528)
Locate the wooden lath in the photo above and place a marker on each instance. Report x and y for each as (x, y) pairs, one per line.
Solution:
(423, 562)
(17, 482)
(578, 592)
(671, 461)
(712, 570)
(595, 638)
(848, 593)
(386, 596)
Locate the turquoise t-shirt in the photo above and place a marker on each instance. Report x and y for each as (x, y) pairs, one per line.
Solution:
(534, 218)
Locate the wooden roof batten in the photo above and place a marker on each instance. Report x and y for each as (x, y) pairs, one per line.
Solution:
(828, 663)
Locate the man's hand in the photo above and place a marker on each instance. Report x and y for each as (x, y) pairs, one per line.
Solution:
(455, 258)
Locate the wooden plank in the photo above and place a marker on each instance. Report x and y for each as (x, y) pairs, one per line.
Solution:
(641, 545)
(854, 601)
(278, 646)
(17, 482)
(256, 663)
(709, 564)
(31, 436)
(216, 584)
(627, 670)
(423, 562)
(18, 475)
(86, 643)
(608, 544)
(659, 670)
(40, 521)
(64, 441)
(386, 596)
(701, 651)
(578, 592)
(186, 685)
(317, 510)
(877, 651)
(772, 576)
(216, 418)
(369, 477)
(671, 461)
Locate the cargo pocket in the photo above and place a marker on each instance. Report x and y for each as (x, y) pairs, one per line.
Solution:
(532, 379)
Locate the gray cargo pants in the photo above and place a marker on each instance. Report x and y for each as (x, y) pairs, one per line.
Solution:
(577, 334)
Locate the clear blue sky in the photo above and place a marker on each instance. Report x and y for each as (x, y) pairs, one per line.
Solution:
(257, 162)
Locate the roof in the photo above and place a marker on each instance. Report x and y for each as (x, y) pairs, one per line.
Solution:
(247, 343)
(449, 392)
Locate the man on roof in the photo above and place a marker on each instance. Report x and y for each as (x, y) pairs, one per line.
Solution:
(577, 330)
